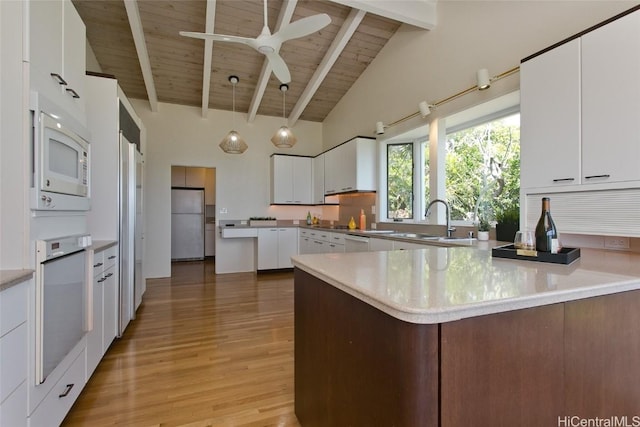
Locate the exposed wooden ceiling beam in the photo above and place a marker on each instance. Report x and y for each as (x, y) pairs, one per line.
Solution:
(141, 48)
(337, 46)
(286, 12)
(208, 54)
(419, 13)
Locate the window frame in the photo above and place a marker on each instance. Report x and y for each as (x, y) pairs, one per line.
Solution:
(413, 179)
(495, 109)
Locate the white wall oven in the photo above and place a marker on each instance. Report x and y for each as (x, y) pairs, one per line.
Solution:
(61, 300)
(60, 160)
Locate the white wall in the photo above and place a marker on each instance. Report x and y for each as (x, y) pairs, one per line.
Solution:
(418, 65)
(178, 135)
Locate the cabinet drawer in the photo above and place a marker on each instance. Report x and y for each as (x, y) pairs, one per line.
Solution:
(98, 263)
(110, 257)
(337, 238)
(13, 411)
(57, 403)
(13, 307)
(13, 360)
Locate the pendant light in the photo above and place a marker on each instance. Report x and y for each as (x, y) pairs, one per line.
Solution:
(284, 138)
(233, 142)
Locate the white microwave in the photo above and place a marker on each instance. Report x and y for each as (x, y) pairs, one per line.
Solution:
(60, 166)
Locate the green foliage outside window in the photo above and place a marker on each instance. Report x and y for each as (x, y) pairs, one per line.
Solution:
(400, 180)
(483, 169)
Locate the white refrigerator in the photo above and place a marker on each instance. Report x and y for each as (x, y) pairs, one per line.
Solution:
(187, 224)
(130, 239)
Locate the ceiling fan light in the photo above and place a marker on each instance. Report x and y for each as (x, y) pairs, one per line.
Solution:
(284, 138)
(233, 143)
(266, 49)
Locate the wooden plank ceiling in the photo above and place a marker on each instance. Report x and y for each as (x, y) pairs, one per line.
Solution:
(177, 62)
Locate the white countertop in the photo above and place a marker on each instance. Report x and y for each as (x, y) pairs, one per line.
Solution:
(438, 284)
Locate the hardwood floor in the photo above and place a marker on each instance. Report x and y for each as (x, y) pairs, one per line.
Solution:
(203, 351)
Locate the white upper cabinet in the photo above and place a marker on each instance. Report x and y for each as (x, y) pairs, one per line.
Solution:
(351, 167)
(57, 54)
(291, 180)
(611, 102)
(550, 118)
(580, 104)
(318, 179)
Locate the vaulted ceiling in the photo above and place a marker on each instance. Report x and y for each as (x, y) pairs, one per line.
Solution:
(138, 43)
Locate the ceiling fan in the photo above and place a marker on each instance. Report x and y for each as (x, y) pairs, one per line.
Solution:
(269, 44)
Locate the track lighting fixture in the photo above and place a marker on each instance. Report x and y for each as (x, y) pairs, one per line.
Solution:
(482, 76)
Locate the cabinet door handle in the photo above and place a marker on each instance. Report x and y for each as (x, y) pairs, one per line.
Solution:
(97, 265)
(563, 179)
(102, 279)
(108, 275)
(59, 78)
(73, 93)
(597, 176)
(112, 257)
(66, 391)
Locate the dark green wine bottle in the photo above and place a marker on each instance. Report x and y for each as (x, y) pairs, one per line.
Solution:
(546, 233)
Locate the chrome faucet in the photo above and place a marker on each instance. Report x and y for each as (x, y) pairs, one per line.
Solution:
(450, 229)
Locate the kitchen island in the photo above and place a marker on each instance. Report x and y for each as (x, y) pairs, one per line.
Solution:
(453, 337)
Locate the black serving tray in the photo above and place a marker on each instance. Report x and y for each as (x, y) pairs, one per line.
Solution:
(565, 256)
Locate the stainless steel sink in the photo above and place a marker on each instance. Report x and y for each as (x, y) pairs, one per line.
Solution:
(456, 238)
(420, 236)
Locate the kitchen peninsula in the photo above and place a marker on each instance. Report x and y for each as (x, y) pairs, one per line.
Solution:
(453, 337)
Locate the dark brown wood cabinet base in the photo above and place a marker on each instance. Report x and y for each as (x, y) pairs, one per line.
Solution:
(357, 366)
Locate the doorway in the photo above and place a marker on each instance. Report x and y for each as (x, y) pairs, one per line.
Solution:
(193, 208)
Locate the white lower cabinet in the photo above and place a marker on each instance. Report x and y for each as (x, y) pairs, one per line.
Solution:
(267, 248)
(13, 411)
(376, 244)
(14, 355)
(304, 242)
(105, 285)
(287, 246)
(336, 242)
(276, 246)
(55, 406)
(320, 241)
(407, 245)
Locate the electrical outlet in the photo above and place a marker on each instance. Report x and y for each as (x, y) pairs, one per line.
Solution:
(612, 242)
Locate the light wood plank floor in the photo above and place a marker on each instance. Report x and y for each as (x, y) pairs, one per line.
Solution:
(205, 350)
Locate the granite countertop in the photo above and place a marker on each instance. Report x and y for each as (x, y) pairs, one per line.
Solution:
(439, 284)
(9, 278)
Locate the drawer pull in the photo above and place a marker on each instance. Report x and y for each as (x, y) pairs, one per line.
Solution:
(102, 279)
(563, 179)
(108, 275)
(112, 257)
(67, 390)
(73, 93)
(597, 176)
(97, 265)
(59, 78)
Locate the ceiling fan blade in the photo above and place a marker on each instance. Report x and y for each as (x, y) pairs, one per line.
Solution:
(279, 67)
(218, 37)
(303, 27)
